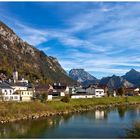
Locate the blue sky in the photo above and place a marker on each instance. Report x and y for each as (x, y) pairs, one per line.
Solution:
(101, 37)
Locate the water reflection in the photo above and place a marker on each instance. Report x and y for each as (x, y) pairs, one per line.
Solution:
(99, 114)
(121, 111)
(104, 123)
(133, 132)
(31, 128)
(95, 115)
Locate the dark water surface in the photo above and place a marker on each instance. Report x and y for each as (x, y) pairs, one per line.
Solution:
(110, 123)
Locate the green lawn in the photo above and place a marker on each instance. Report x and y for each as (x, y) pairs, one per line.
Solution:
(78, 103)
(15, 110)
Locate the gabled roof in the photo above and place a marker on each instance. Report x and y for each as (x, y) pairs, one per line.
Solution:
(59, 87)
(22, 84)
(5, 85)
(42, 87)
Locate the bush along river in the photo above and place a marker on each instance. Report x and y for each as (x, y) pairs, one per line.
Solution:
(118, 122)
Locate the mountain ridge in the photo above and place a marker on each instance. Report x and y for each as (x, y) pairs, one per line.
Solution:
(133, 76)
(128, 80)
(31, 63)
(115, 82)
(82, 76)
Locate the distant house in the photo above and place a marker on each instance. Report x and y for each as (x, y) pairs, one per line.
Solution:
(97, 92)
(70, 90)
(25, 90)
(7, 92)
(105, 87)
(19, 86)
(26, 95)
(136, 90)
(41, 88)
(44, 88)
(87, 92)
(58, 90)
(81, 92)
(131, 91)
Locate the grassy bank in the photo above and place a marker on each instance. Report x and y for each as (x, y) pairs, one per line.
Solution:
(24, 110)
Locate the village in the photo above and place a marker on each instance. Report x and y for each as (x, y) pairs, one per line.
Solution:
(21, 90)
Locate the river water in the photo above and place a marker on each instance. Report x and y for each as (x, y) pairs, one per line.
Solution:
(110, 123)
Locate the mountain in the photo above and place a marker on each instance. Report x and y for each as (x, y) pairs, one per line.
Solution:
(133, 76)
(82, 76)
(115, 82)
(30, 62)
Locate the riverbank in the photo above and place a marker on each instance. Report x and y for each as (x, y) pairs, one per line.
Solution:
(15, 111)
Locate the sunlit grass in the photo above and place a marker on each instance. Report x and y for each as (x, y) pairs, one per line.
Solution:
(20, 109)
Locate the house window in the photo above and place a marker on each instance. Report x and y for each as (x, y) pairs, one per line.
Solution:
(16, 97)
(11, 98)
(6, 98)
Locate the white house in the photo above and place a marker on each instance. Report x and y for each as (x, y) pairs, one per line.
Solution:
(7, 92)
(26, 93)
(97, 92)
(70, 90)
(136, 89)
(19, 86)
(80, 90)
(58, 90)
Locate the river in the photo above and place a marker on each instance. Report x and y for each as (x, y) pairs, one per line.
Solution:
(109, 123)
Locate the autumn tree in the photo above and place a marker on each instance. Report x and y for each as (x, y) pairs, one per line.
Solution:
(121, 91)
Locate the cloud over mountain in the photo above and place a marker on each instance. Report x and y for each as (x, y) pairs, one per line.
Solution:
(104, 36)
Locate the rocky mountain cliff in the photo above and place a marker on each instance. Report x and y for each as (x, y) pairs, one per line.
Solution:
(29, 61)
(115, 82)
(133, 76)
(81, 76)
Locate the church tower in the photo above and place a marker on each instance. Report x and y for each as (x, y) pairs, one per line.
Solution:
(15, 75)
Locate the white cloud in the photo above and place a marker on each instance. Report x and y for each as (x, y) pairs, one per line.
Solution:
(31, 35)
(103, 39)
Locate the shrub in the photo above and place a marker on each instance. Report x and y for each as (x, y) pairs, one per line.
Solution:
(65, 99)
(120, 91)
(43, 97)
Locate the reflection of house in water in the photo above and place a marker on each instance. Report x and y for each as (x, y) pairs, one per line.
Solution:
(61, 121)
(13, 130)
(99, 114)
(50, 121)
